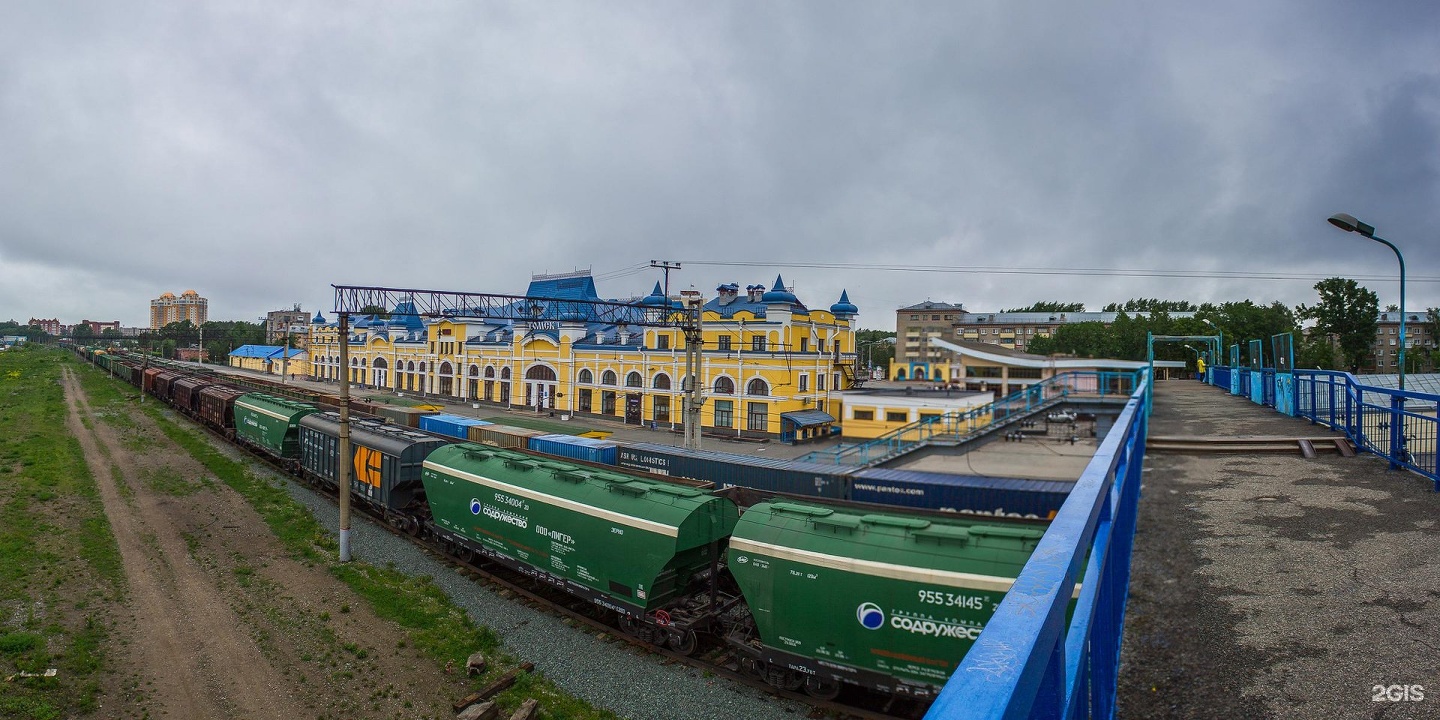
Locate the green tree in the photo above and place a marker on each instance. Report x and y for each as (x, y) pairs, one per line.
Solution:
(1316, 351)
(1051, 306)
(375, 310)
(1147, 305)
(877, 346)
(1348, 312)
(82, 332)
(1083, 339)
(110, 332)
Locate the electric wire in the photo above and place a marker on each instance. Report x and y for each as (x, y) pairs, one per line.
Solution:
(1000, 270)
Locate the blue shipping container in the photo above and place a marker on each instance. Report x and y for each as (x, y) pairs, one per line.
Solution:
(1005, 497)
(576, 448)
(728, 469)
(457, 426)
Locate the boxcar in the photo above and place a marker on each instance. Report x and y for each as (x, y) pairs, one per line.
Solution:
(456, 426)
(727, 470)
(886, 601)
(504, 436)
(576, 448)
(624, 543)
(400, 415)
(147, 382)
(270, 423)
(186, 393)
(1009, 497)
(386, 459)
(217, 406)
(164, 384)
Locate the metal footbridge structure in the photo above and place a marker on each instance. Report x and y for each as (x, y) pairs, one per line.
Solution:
(1036, 658)
(957, 428)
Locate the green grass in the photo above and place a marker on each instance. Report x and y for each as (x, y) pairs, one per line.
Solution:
(437, 627)
(169, 481)
(57, 552)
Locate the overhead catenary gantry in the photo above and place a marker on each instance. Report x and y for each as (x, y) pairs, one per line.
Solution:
(543, 312)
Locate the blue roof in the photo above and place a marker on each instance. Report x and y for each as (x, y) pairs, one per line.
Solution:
(808, 418)
(262, 351)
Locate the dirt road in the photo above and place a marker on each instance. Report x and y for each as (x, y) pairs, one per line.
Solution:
(223, 624)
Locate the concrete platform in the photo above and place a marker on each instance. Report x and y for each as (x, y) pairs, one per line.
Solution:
(1275, 586)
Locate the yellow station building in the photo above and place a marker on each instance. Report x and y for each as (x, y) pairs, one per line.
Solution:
(770, 365)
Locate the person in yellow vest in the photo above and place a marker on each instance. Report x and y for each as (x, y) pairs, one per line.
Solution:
(1200, 363)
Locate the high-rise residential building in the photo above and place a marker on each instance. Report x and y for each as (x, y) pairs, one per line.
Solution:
(189, 306)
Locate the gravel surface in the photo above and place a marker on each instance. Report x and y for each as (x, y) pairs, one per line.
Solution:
(608, 675)
(1270, 586)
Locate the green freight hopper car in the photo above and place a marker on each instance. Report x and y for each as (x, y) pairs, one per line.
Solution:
(644, 549)
(891, 602)
(384, 460)
(270, 423)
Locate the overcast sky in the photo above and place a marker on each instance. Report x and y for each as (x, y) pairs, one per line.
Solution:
(258, 152)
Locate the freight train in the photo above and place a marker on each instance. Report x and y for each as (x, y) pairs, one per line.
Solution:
(809, 592)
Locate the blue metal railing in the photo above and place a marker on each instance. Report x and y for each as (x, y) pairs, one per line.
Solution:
(1397, 425)
(1029, 662)
(959, 426)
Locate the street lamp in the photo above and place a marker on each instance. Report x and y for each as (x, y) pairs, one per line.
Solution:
(1219, 344)
(1348, 223)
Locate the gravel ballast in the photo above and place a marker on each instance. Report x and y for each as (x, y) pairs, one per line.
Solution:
(612, 675)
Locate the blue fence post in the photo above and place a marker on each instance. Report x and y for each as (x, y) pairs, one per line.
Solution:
(1397, 430)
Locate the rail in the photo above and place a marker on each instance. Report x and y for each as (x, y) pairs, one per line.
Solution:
(1029, 662)
(1398, 425)
(961, 426)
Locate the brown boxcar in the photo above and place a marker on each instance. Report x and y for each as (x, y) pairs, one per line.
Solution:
(186, 393)
(148, 384)
(164, 384)
(504, 435)
(400, 415)
(217, 406)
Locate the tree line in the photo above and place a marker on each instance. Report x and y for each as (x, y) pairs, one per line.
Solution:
(1345, 322)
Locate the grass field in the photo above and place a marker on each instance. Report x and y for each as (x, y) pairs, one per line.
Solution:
(60, 571)
(436, 625)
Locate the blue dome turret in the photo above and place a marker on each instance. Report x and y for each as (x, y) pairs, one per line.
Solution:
(319, 319)
(779, 294)
(656, 298)
(844, 307)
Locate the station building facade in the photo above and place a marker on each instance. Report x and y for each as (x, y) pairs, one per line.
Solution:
(770, 365)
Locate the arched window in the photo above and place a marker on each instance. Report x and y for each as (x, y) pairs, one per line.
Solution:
(505, 373)
(586, 377)
(634, 380)
(490, 371)
(724, 386)
(757, 387)
(380, 364)
(474, 371)
(662, 382)
(410, 366)
(539, 372)
(608, 378)
(900, 374)
(445, 368)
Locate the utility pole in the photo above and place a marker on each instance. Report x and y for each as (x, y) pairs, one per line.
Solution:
(342, 462)
(694, 340)
(666, 266)
(201, 357)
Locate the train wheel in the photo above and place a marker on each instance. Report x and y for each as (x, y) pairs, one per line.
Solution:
(684, 643)
(822, 689)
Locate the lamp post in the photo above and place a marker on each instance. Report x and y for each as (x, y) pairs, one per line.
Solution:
(1219, 344)
(1398, 453)
(1348, 223)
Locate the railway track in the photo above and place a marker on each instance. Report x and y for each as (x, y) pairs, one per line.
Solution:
(713, 656)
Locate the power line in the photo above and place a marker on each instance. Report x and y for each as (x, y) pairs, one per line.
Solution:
(1109, 272)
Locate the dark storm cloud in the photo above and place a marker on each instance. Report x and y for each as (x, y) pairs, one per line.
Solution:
(259, 152)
